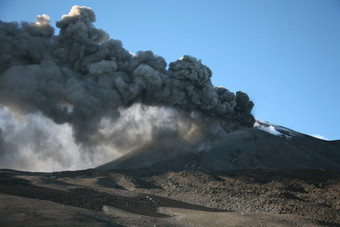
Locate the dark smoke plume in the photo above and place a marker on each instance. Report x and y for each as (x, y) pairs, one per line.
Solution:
(85, 80)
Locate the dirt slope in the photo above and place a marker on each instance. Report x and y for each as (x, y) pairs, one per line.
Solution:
(243, 149)
(163, 198)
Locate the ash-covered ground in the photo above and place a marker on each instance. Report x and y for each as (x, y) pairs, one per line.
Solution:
(170, 198)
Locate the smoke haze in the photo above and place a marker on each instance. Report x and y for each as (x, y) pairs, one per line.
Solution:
(79, 99)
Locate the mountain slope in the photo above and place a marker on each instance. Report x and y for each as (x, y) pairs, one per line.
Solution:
(264, 146)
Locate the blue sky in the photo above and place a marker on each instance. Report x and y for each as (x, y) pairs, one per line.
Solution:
(285, 53)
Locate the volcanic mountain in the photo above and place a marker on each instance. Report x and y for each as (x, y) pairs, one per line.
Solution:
(263, 146)
(111, 102)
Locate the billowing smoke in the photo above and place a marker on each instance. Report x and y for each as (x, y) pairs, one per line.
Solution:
(104, 98)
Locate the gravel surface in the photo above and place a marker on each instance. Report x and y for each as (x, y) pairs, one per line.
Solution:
(148, 197)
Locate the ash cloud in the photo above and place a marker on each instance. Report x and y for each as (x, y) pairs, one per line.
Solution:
(85, 80)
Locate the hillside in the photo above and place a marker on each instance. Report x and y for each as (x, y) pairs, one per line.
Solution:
(167, 198)
(264, 146)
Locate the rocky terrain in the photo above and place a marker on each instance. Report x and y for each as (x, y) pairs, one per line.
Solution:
(170, 198)
(262, 176)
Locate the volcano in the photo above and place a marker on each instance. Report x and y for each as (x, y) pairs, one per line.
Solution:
(112, 103)
(264, 146)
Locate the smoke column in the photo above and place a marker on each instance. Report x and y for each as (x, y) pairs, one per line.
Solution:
(103, 100)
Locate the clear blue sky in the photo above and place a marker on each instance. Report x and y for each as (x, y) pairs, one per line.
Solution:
(285, 53)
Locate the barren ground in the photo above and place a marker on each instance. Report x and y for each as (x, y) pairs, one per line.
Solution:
(155, 198)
